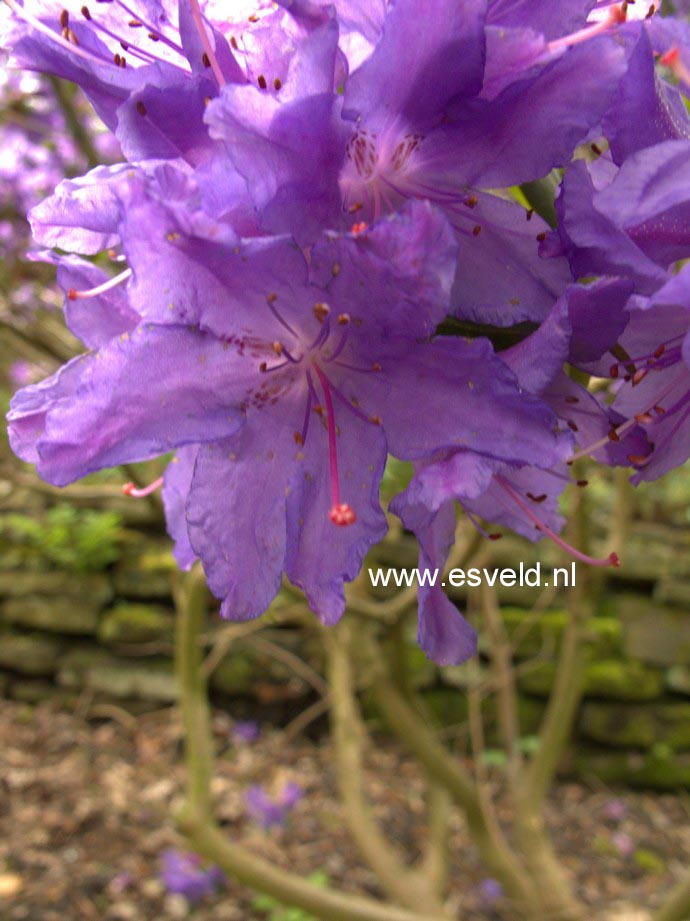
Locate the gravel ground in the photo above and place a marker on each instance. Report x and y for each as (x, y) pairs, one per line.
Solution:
(85, 811)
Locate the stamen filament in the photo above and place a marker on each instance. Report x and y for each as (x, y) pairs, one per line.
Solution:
(205, 42)
(75, 295)
(129, 489)
(610, 560)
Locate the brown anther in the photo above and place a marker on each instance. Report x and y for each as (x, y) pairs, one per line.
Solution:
(639, 376)
(277, 83)
(86, 13)
(582, 483)
(660, 351)
(644, 418)
(529, 214)
(205, 60)
(613, 371)
(72, 37)
(263, 367)
(321, 311)
(472, 201)
(64, 19)
(476, 230)
(65, 34)
(272, 297)
(72, 294)
(154, 37)
(650, 12)
(253, 18)
(376, 366)
(541, 236)
(277, 348)
(360, 227)
(134, 24)
(261, 80)
(638, 460)
(343, 319)
(353, 209)
(596, 149)
(298, 438)
(495, 536)
(318, 409)
(572, 426)
(659, 410)
(233, 42)
(534, 498)
(141, 108)
(572, 400)
(375, 420)
(614, 436)
(117, 59)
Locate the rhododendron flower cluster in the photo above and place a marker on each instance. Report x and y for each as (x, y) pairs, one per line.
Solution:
(316, 231)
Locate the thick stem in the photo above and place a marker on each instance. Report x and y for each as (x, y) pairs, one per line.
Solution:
(191, 599)
(396, 879)
(677, 905)
(195, 820)
(555, 732)
(489, 839)
(64, 94)
(285, 887)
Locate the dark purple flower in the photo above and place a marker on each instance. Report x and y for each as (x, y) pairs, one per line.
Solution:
(183, 874)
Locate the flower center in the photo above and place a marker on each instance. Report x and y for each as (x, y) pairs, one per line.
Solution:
(319, 360)
(379, 169)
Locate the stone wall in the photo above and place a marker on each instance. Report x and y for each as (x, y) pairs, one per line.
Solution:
(103, 638)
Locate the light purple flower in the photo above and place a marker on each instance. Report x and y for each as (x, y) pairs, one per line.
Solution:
(272, 811)
(183, 874)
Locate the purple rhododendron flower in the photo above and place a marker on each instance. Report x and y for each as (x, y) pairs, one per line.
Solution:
(183, 874)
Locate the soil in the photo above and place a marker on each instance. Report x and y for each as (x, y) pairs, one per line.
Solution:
(86, 806)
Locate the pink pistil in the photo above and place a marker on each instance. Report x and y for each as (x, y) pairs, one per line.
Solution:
(75, 295)
(610, 560)
(205, 42)
(340, 513)
(129, 489)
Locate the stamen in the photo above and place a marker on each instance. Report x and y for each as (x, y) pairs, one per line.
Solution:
(271, 301)
(610, 560)
(615, 16)
(341, 513)
(129, 489)
(75, 295)
(205, 42)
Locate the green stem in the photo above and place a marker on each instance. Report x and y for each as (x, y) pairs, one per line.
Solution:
(64, 94)
(191, 599)
(285, 887)
(195, 820)
(677, 905)
(421, 741)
